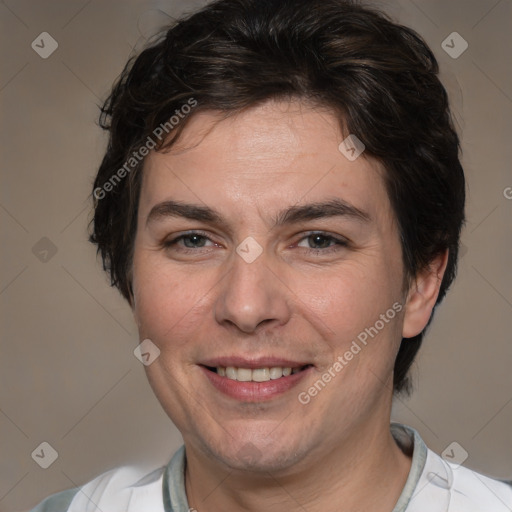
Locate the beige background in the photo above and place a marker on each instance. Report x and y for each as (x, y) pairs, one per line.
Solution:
(68, 375)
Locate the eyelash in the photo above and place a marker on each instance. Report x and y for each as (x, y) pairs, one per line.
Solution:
(339, 242)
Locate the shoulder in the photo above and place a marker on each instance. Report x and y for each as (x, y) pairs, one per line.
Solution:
(58, 502)
(456, 488)
(473, 491)
(118, 490)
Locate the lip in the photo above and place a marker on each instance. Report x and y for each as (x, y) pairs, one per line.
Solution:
(252, 363)
(255, 391)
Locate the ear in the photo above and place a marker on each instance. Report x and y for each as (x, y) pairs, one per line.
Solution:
(422, 296)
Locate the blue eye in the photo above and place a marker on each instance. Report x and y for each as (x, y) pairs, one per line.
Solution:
(190, 241)
(316, 242)
(326, 242)
(194, 239)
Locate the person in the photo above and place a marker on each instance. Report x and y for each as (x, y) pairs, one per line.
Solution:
(280, 203)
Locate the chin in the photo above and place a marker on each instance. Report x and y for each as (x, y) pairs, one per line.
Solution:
(259, 456)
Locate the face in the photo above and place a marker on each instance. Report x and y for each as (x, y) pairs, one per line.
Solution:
(262, 250)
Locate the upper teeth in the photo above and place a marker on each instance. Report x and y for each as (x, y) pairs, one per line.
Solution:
(256, 374)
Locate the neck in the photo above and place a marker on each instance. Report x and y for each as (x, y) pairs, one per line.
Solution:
(365, 471)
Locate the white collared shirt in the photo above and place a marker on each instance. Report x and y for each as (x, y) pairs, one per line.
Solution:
(433, 485)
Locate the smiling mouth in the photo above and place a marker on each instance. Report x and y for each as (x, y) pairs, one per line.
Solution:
(256, 374)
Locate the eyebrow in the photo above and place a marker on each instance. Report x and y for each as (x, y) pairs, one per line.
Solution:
(292, 215)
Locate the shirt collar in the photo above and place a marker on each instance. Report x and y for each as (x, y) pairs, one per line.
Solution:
(174, 493)
(410, 442)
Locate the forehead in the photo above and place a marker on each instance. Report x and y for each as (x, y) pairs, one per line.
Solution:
(269, 155)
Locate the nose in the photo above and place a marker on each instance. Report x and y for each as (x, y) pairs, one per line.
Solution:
(252, 295)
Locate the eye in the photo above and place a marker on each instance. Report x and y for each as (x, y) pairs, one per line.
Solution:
(193, 240)
(322, 242)
(317, 242)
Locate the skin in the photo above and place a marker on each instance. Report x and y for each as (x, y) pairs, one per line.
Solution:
(303, 299)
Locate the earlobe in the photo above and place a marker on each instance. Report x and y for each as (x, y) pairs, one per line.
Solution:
(422, 296)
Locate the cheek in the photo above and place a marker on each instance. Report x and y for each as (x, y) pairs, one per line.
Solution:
(354, 295)
(166, 303)
(358, 304)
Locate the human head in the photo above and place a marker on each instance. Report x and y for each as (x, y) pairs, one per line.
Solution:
(380, 79)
